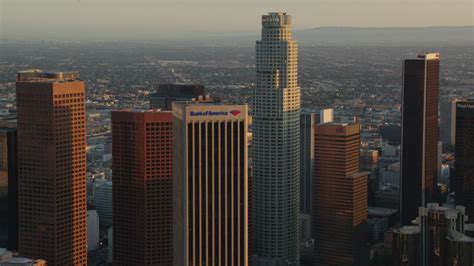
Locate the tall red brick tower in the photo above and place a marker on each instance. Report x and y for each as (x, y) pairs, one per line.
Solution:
(52, 167)
(142, 149)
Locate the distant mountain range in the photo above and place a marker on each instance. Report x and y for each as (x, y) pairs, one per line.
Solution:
(461, 35)
(358, 36)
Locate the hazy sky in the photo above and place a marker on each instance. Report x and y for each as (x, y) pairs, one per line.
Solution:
(170, 18)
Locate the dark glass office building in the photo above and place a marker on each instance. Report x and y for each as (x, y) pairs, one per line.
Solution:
(166, 94)
(419, 148)
(8, 189)
(308, 119)
(464, 164)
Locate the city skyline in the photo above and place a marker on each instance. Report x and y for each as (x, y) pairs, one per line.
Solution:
(211, 155)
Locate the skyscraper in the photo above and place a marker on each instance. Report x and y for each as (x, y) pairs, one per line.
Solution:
(142, 147)
(52, 166)
(464, 155)
(406, 246)
(276, 124)
(307, 121)
(210, 184)
(340, 196)
(447, 123)
(419, 148)
(103, 202)
(8, 189)
(166, 94)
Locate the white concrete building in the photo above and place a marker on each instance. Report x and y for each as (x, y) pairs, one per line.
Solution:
(276, 133)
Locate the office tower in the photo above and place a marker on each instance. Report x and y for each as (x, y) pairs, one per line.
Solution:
(103, 202)
(142, 147)
(211, 187)
(438, 224)
(8, 189)
(464, 154)
(307, 121)
(439, 238)
(92, 230)
(406, 246)
(167, 93)
(52, 166)
(340, 196)
(110, 244)
(447, 123)
(419, 148)
(276, 121)
(391, 133)
(460, 250)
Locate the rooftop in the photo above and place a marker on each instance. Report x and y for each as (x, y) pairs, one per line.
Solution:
(141, 110)
(408, 230)
(469, 227)
(37, 75)
(458, 237)
(428, 56)
(378, 211)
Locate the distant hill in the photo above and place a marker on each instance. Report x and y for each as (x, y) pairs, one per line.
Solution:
(321, 35)
(357, 36)
(316, 36)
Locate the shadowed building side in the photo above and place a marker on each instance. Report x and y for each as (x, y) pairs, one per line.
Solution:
(142, 148)
(419, 148)
(464, 154)
(8, 189)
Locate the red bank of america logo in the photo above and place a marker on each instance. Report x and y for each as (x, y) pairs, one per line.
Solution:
(235, 112)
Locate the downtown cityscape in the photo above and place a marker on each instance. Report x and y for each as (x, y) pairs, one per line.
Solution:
(271, 150)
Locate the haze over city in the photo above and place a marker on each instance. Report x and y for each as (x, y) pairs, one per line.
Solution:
(244, 133)
(165, 19)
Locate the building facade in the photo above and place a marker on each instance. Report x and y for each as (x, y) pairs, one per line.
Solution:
(8, 189)
(406, 246)
(142, 147)
(464, 154)
(447, 123)
(307, 121)
(340, 196)
(276, 124)
(52, 166)
(439, 238)
(92, 230)
(211, 206)
(419, 148)
(103, 201)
